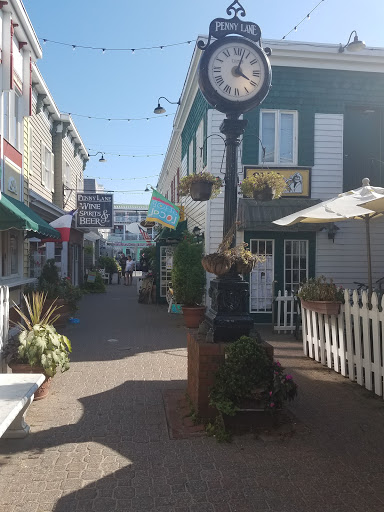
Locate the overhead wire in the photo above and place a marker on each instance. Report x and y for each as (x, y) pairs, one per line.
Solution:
(307, 17)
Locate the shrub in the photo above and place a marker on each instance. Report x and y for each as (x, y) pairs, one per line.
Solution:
(97, 287)
(317, 289)
(186, 182)
(260, 180)
(188, 276)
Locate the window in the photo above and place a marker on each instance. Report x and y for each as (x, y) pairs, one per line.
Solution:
(47, 168)
(16, 124)
(278, 132)
(10, 253)
(261, 285)
(67, 179)
(199, 147)
(296, 264)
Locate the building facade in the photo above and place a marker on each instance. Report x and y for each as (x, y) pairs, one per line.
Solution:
(320, 126)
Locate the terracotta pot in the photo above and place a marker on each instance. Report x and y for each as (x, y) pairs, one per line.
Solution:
(324, 307)
(193, 316)
(216, 263)
(43, 390)
(201, 190)
(265, 194)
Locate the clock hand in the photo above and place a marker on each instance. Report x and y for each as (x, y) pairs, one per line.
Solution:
(240, 73)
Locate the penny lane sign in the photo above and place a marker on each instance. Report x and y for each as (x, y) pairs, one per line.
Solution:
(94, 211)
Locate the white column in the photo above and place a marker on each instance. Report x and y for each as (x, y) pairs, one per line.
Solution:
(50, 250)
(26, 80)
(6, 51)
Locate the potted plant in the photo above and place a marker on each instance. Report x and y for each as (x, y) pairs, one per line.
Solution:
(188, 280)
(318, 295)
(264, 186)
(248, 381)
(110, 267)
(38, 348)
(201, 186)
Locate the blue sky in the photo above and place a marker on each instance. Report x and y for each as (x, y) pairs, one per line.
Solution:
(122, 84)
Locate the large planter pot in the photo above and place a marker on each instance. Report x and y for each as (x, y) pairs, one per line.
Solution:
(216, 263)
(244, 268)
(266, 194)
(43, 390)
(324, 307)
(201, 190)
(193, 316)
(65, 311)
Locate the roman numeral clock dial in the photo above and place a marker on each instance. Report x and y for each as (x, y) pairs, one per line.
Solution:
(234, 75)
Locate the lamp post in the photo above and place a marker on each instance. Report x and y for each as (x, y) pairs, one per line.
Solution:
(161, 110)
(102, 159)
(235, 77)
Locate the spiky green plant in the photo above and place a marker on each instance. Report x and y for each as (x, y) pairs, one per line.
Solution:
(36, 314)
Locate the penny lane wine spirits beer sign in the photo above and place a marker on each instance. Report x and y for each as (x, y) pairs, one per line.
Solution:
(94, 211)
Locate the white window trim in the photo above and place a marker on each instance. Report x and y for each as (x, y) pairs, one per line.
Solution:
(253, 311)
(190, 157)
(19, 274)
(30, 149)
(285, 254)
(277, 138)
(51, 184)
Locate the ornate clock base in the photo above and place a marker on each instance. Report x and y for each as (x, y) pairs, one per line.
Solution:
(228, 318)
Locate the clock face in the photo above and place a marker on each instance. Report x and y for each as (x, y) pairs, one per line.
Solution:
(235, 74)
(236, 71)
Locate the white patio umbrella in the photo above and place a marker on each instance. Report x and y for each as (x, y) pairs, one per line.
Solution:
(363, 203)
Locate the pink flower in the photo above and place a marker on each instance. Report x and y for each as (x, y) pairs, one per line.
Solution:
(270, 393)
(272, 404)
(277, 363)
(288, 377)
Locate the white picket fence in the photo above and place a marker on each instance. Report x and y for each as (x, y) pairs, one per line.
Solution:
(4, 322)
(352, 343)
(286, 308)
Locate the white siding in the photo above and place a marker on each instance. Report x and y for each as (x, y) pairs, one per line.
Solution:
(345, 259)
(327, 172)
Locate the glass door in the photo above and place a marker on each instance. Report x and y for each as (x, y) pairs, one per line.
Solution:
(262, 276)
(295, 264)
(166, 265)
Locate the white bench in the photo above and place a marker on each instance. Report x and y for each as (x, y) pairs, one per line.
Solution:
(16, 395)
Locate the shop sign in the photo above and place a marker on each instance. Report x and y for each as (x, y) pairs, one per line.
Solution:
(94, 210)
(298, 179)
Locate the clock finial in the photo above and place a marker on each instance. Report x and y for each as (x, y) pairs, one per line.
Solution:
(236, 8)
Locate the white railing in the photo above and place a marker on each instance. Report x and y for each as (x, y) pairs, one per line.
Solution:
(4, 323)
(352, 342)
(285, 312)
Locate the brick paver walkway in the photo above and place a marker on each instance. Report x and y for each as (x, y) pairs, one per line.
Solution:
(99, 442)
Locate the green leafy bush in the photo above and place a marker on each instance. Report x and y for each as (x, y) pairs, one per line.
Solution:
(317, 289)
(109, 264)
(188, 275)
(97, 287)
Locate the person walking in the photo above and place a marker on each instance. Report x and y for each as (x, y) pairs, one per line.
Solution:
(129, 266)
(123, 262)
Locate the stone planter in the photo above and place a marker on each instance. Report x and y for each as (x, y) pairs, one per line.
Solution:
(193, 316)
(201, 190)
(43, 390)
(324, 307)
(265, 194)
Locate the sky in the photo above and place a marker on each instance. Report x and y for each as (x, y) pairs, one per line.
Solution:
(120, 84)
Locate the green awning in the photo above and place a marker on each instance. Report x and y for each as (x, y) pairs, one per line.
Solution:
(173, 234)
(258, 215)
(17, 215)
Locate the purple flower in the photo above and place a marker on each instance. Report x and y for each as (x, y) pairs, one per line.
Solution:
(270, 393)
(272, 404)
(288, 377)
(278, 363)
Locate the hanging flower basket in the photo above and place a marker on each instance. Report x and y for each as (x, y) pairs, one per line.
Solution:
(324, 307)
(265, 194)
(201, 190)
(216, 263)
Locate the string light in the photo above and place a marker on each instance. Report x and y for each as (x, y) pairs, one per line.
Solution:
(133, 156)
(307, 17)
(121, 179)
(132, 50)
(118, 118)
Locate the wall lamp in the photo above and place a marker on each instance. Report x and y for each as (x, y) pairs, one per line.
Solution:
(355, 46)
(159, 109)
(332, 230)
(148, 189)
(102, 159)
(197, 233)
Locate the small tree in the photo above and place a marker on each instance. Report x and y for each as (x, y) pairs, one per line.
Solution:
(188, 275)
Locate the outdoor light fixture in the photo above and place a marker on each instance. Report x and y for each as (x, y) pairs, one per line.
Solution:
(159, 109)
(196, 231)
(148, 189)
(355, 46)
(332, 230)
(102, 159)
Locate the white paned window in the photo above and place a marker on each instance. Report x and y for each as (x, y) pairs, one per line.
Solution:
(261, 286)
(295, 264)
(30, 150)
(47, 168)
(67, 177)
(10, 245)
(166, 265)
(16, 121)
(190, 158)
(278, 133)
